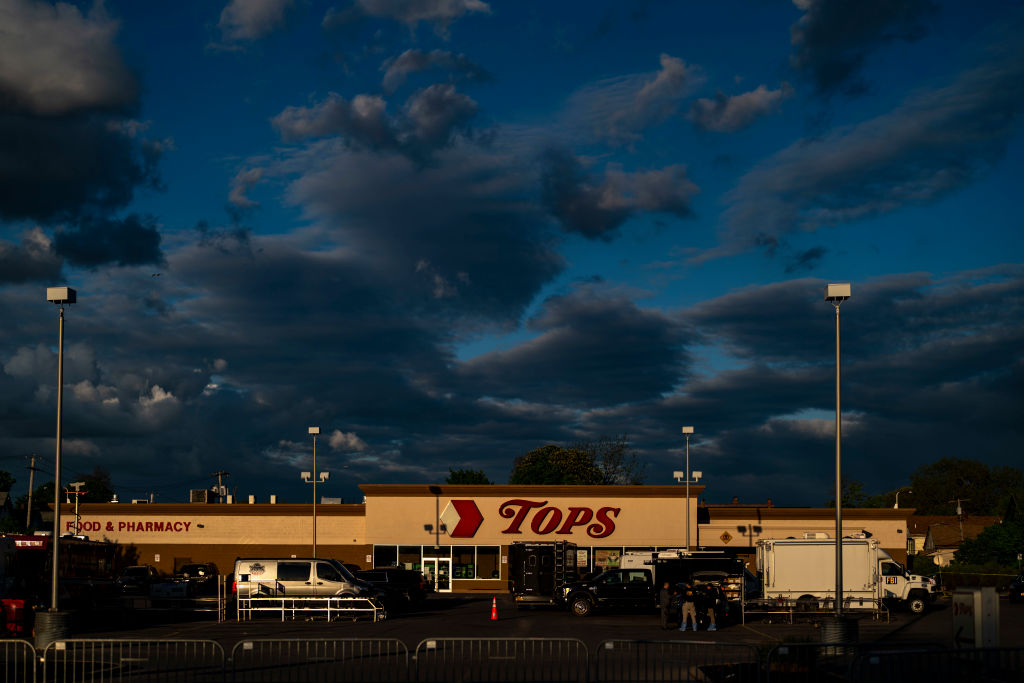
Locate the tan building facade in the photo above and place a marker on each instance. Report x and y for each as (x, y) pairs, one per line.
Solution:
(459, 535)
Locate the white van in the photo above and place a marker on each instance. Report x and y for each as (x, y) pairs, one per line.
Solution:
(298, 577)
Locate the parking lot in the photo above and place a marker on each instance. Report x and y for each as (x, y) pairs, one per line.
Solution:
(469, 616)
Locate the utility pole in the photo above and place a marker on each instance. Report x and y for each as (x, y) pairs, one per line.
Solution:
(960, 514)
(220, 484)
(31, 483)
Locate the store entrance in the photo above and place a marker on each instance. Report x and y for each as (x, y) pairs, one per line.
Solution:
(438, 571)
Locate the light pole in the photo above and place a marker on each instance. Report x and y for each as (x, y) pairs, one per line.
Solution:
(686, 432)
(898, 492)
(836, 294)
(314, 431)
(77, 485)
(59, 296)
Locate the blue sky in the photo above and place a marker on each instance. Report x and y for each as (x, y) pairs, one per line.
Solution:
(450, 231)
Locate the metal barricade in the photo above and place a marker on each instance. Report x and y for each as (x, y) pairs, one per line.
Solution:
(646, 660)
(821, 661)
(992, 665)
(460, 660)
(138, 661)
(311, 661)
(19, 661)
(327, 607)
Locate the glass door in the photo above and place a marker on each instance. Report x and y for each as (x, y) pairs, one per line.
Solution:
(438, 571)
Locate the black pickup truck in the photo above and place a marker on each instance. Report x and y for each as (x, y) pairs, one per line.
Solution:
(613, 589)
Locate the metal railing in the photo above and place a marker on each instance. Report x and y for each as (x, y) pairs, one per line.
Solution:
(992, 665)
(460, 660)
(642, 660)
(328, 607)
(19, 661)
(138, 661)
(309, 661)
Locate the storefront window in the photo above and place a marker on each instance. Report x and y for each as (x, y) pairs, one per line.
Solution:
(409, 557)
(488, 564)
(606, 558)
(385, 555)
(463, 562)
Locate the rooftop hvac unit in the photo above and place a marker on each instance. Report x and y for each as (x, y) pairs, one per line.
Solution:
(199, 496)
(136, 501)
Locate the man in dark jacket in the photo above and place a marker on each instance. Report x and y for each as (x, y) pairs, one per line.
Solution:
(707, 603)
(665, 603)
(687, 597)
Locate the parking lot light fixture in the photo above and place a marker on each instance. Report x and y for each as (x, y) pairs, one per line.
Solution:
(836, 294)
(687, 431)
(307, 477)
(59, 296)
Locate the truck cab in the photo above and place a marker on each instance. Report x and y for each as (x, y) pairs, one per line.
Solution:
(613, 589)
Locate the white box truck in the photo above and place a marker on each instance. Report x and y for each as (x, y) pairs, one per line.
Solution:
(801, 572)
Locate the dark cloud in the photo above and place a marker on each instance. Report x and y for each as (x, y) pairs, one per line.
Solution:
(594, 349)
(806, 260)
(595, 210)
(935, 143)
(94, 242)
(54, 169)
(832, 39)
(412, 61)
(31, 261)
(729, 114)
(429, 120)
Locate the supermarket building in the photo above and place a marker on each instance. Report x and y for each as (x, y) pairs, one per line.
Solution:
(460, 535)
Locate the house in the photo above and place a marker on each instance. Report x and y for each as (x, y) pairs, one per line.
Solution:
(938, 537)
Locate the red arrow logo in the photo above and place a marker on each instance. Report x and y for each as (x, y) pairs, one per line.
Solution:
(469, 519)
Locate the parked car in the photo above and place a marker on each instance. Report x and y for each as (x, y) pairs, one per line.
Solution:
(137, 580)
(400, 585)
(1016, 589)
(201, 578)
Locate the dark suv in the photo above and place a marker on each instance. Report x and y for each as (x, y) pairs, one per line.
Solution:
(137, 580)
(200, 576)
(397, 583)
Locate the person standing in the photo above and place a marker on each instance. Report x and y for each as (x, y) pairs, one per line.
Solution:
(665, 603)
(707, 602)
(689, 608)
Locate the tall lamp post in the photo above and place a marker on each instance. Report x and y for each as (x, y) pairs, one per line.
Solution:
(898, 492)
(306, 477)
(836, 294)
(687, 431)
(59, 296)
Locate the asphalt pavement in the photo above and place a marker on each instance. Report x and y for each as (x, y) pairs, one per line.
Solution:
(469, 616)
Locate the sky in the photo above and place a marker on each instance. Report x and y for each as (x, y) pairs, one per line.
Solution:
(450, 231)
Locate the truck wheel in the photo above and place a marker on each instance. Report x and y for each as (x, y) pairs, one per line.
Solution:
(916, 605)
(581, 606)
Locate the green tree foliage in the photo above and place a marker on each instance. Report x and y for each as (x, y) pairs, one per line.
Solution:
(553, 464)
(466, 476)
(606, 461)
(998, 543)
(983, 490)
(619, 464)
(98, 488)
(853, 495)
(7, 480)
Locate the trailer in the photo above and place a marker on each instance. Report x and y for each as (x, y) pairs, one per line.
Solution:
(799, 574)
(677, 565)
(536, 571)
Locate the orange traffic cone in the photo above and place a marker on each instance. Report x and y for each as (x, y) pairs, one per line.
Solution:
(494, 609)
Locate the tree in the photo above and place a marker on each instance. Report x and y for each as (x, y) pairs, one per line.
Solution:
(553, 464)
(853, 495)
(998, 543)
(466, 476)
(618, 463)
(7, 480)
(98, 488)
(981, 490)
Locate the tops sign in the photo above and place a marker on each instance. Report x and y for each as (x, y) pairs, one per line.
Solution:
(462, 518)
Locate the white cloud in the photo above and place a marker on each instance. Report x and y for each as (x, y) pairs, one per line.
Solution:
(245, 20)
(346, 441)
(55, 60)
